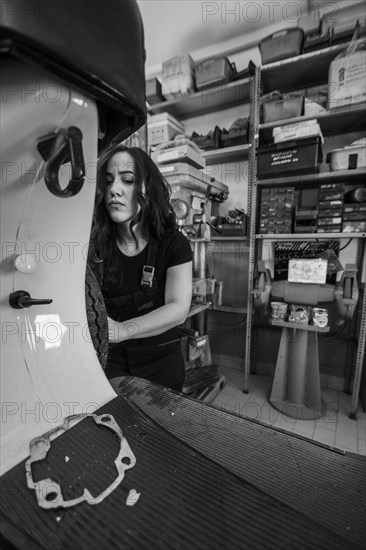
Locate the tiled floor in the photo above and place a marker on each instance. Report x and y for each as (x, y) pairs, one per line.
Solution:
(335, 428)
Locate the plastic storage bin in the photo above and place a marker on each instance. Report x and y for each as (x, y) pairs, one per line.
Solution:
(237, 134)
(214, 71)
(289, 158)
(212, 140)
(282, 44)
(348, 158)
(276, 106)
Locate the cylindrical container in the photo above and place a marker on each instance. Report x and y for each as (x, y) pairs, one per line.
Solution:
(356, 195)
(320, 317)
(278, 311)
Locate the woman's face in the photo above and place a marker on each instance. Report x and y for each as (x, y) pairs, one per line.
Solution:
(120, 197)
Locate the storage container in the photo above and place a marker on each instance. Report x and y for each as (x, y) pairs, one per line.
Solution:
(289, 158)
(275, 106)
(153, 91)
(178, 77)
(348, 158)
(298, 130)
(237, 134)
(163, 127)
(282, 44)
(214, 71)
(354, 227)
(346, 77)
(212, 140)
(180, 153)
(357, 195)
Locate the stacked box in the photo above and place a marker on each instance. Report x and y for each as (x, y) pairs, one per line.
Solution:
(354, 218)
(276, 210)
(178, 77)
(330, 208)
(163, 127)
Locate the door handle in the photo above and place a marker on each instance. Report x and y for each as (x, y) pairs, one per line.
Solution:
(21, 299)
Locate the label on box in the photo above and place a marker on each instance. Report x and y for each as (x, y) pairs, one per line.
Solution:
(307, 271)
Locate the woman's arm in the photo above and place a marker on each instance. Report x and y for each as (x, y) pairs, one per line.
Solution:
(178, 296)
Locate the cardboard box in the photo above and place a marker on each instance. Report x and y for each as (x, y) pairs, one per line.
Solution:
(177, 77)
(153, 91)
(163, 127)
(181, 153)
(307, 128)
(346, 80)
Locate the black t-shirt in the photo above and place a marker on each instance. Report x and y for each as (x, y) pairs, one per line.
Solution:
(174, 249)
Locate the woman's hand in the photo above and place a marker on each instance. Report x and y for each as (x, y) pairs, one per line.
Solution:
(118, 332)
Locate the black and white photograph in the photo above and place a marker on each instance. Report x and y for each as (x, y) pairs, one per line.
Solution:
(183, 274)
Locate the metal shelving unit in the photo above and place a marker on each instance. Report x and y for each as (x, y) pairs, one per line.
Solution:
(288, 75)
(227, 154)
(311, 180)
(206, 101)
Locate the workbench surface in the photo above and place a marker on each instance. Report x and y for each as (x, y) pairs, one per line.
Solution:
(208, 480)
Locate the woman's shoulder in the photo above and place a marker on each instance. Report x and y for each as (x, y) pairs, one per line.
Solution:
(175, 237)
(177, 246)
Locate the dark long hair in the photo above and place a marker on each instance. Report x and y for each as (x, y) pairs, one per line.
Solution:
(156, 215)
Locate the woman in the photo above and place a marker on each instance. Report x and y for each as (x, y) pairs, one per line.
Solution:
(144, 266)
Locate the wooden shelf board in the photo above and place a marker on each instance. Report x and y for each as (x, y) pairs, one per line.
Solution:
(206, 101)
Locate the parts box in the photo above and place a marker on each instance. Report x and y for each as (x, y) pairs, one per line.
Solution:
(289, 158)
